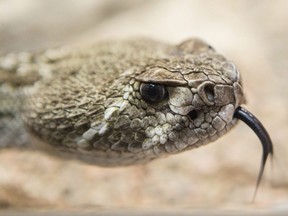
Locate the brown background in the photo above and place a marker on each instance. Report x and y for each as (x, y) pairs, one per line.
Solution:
(222, 175)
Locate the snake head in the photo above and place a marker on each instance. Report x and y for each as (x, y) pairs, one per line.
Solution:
(129, 102)
(196, 97)
(196, 90)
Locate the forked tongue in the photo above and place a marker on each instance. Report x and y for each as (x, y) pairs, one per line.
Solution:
(249, 119)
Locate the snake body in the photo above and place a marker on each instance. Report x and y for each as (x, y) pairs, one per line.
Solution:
(119, 103)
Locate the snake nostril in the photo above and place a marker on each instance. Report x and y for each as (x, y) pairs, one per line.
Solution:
(209, 91)
(193, 114)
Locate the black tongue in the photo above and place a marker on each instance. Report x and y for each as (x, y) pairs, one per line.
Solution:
(249, 119)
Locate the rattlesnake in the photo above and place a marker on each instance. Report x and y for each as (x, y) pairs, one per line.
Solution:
(122, 102)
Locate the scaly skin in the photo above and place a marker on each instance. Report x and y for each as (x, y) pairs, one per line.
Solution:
(85, 103)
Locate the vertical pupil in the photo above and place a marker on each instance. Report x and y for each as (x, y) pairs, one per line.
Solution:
(153, 90)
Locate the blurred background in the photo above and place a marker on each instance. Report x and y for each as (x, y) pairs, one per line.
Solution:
(222, 175)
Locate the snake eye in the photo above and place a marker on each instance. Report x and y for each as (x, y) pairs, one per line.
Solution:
(152, 92)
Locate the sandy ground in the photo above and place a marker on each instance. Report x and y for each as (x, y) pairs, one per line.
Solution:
(222, 175)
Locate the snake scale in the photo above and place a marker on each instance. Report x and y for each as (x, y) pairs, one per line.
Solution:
(124, 102)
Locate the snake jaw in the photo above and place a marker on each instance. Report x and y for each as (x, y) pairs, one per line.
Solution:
(267, 145)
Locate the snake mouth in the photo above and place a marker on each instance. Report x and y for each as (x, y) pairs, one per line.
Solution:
(267, 145)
